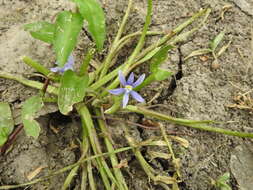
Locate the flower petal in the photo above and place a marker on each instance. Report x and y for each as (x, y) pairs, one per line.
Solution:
(54, 69)
(71, 60)
(125, 100)
(70, 63)
(130, 79)
(117, 91)
(122, 78)
(139, 80)
(137, 96)
(68, 67)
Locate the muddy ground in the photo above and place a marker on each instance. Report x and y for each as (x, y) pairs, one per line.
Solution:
(203, 91)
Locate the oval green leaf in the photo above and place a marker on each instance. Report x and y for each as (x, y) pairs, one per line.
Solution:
(72, 90)
(160, 57)
(162, 74)
(217, 40)
(67, 28)
(6, 122)
(43, 31)
(30, 107)
(93, 13)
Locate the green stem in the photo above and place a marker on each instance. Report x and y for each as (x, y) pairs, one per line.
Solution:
(106, 79)
(116, 105)
(113, 157)
(179, 38)
(84, 178)
(86, 62)
(84, 150)
(188, 123)
(125, 41)
(143, 35)
(174, 32)
(124, 21)
(130, 36)
(92, 183)
(174, 159)
(102, 165)
(145, 166)
(184, 36)
(107, 62)
(30, 83)
(122, 42)
(40, 68)
(69, 178)
(91, 133)
(137, 49)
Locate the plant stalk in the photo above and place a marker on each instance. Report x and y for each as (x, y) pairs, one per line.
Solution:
(29, 83)
(114, 160)
(40, 68)
(107, 62)
(105, 171)
(188, 123)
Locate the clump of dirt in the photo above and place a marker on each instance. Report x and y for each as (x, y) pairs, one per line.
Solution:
(201, 92)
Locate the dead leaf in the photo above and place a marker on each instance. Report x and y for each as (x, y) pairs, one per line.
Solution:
(204, 58)
(150, 123)
(122, 164)
(224, 10)
(73, 145)
(181, 141)
(154, 154)
(165, 179)
(56, 131)
(34, 173)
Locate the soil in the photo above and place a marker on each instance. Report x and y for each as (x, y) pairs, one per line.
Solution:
(202, 91)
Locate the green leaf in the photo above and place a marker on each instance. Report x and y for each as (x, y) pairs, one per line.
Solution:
(150, 55)
(221, 183)
(43, 31)
(94, 15)
(162, 74)
(72, 90)
(216, 41)
(158, 75)
(198, 52)
(224, 178)
(29, 109)
(160, 57)
(68, 26)
(6, 122)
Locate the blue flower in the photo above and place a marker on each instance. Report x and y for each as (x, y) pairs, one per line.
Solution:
(68, 66)
(128, 87)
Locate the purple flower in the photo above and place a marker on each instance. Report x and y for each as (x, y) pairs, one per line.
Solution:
(67, 66)
(128, 86)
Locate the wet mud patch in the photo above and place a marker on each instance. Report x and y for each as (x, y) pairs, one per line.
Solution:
(197, 91)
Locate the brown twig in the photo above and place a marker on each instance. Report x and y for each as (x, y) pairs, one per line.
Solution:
(11, 139)
(139, 125)
(44, 89)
